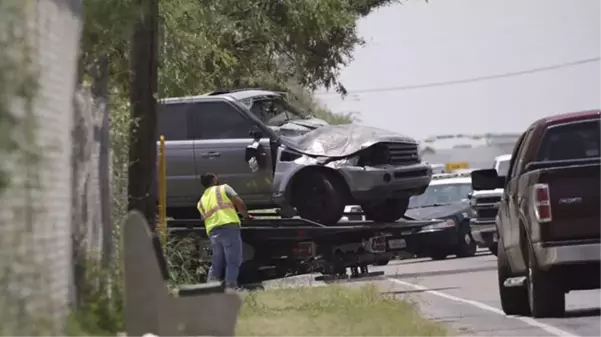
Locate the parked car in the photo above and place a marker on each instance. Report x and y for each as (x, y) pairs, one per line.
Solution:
(485, 205)
(446, 199)
(548, 219)
(275, 155)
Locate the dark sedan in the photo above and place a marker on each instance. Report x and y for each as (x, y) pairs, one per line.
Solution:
(445, 199)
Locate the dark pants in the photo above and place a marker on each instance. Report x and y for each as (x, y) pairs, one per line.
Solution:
(226, 244)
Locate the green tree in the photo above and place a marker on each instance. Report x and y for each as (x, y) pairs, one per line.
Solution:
(304, 99)
(209, 44)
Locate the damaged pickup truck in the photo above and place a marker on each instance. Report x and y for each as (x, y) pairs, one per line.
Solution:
(275, 155)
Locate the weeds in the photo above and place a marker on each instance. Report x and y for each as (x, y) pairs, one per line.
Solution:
(334, 310)
(184, 260)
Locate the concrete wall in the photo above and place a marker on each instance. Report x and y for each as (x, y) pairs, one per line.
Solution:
(58, 29)
(36, 211)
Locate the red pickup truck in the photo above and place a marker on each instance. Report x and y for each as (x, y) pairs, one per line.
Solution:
(548, 219)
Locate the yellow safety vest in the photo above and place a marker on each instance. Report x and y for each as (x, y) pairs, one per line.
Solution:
(216, 208)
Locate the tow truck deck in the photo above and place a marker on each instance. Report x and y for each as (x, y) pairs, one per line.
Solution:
(296, 246)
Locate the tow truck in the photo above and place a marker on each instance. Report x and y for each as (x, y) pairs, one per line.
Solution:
(276, 247)
(279, 242)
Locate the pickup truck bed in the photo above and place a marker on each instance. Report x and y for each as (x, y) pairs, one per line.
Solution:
(574, 200)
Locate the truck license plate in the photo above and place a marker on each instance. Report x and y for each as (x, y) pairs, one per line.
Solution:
(397, 243)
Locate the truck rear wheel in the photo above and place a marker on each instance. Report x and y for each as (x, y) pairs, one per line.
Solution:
(545, 296)
(318, 197)
(387, 211)
(514, 301)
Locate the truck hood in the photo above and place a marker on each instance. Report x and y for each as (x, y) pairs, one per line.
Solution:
(339, 141)
(309, 123)
(439, 212)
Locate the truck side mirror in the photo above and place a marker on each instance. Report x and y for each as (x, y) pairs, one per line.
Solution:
(487, 179)
(254, 155)
(251, 152)
(469, 196)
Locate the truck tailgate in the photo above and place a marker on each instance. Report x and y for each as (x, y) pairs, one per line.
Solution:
(574, 194)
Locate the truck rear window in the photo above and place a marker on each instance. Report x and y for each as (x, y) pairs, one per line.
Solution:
(570, 141)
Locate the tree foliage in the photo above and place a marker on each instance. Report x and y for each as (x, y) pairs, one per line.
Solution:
(208, 44)
(303, 98)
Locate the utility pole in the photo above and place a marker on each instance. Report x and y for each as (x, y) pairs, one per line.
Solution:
(143, 92)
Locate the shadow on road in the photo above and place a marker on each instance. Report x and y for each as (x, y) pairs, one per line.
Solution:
(445, 272)
(426, 259)
(401, 292)
(587, 312)
(372, 276)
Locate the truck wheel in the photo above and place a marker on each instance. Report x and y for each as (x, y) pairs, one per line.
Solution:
(514, 301)
(466, 246)
(545, 296)
(437, 256)
(389, 210)
(317, 199)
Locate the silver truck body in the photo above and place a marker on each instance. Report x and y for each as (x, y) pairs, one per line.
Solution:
(198, 141)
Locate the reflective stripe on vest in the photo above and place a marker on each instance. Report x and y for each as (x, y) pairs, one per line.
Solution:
(219, 190)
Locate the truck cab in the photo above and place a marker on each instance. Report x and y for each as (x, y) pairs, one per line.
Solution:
(484, 205)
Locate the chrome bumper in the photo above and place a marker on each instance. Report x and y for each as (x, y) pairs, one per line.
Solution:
(480, 231)
(566, 254)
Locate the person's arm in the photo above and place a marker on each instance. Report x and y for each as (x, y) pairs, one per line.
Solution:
(238, 202)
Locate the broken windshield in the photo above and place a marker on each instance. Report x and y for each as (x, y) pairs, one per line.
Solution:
(274, 110)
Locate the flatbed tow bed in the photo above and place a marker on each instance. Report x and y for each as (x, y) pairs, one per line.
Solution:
(296, 246)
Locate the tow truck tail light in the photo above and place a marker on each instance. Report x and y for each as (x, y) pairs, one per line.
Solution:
(542, 203)
(376, 244)
(304, 250)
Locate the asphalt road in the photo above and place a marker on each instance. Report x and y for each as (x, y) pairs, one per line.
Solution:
(463, 294)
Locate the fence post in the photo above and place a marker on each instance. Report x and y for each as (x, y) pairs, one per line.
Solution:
(162, 192)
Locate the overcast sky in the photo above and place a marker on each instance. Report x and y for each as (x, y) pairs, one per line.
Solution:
(448, 40)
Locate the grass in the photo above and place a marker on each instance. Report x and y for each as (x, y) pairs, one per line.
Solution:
(331, 311)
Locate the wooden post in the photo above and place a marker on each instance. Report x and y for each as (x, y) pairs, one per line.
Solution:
(143, 90)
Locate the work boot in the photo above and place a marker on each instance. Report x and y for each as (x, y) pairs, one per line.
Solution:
(235, 290)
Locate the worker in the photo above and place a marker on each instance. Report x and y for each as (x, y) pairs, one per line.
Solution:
(217, 206)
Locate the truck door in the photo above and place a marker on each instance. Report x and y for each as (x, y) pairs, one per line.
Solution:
(182, 180)
(515, 198)
(221, 134)
(506, 208)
